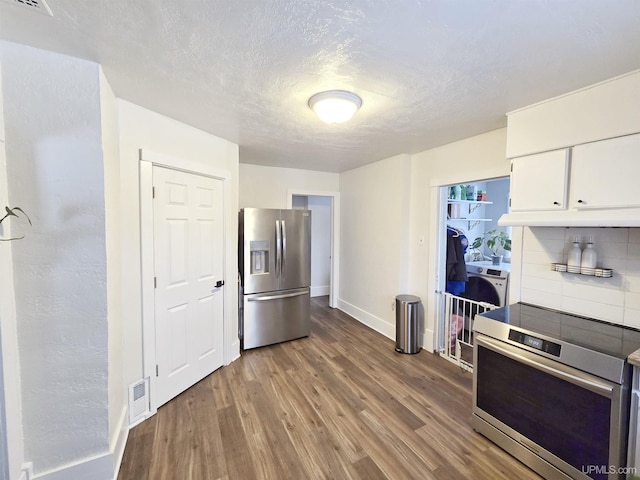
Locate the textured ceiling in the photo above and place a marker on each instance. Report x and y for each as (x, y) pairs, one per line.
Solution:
(428, 72)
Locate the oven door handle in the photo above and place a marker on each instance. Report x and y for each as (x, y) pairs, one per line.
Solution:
(543, 364)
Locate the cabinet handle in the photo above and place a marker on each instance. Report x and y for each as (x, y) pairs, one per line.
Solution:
(580, 201)
(556, 203)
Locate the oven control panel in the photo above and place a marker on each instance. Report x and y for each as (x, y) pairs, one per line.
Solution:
(535, 342)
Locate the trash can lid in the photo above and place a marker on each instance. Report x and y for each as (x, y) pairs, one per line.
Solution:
(408, 298)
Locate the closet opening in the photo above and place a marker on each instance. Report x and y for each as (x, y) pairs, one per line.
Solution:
(477, 262)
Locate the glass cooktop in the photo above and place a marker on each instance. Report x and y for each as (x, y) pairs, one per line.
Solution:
(607, 338)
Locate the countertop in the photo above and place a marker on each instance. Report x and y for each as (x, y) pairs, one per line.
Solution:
(634, 358)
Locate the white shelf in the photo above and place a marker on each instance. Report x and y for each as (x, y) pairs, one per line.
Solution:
(449, 200)
(471, 219)
(471, 222)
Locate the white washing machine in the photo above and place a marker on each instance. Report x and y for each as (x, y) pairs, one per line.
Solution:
(487, 282)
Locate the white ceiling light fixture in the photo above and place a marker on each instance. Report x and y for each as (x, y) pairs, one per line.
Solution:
(335, 106)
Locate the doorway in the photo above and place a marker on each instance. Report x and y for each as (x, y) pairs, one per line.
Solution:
(325, 244)
(467, 212)
(320, 208)
(219, 273)
(188, 265)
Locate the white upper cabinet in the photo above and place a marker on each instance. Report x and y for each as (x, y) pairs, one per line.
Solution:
(600, 190)
(597, 185)
(540, 181)
(606, 174)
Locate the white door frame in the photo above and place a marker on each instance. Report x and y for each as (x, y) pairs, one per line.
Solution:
(334, 290)
(435, 305)
(231, 343)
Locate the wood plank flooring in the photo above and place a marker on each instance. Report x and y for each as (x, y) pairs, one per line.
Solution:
(341, 404)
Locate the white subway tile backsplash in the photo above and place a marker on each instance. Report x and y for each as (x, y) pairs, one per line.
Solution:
(633, 267)
(544, 258)
(618, 265)
(545, 285)
(589, 308)
(632, 300)
(634, 251)
(600, 294)
(634, 235)
(537, 270)
(632, 318)
(543, 299)
(633, 283)
(615, 299)
(548, 233)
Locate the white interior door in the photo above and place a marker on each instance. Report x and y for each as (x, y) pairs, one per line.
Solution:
(188, 263)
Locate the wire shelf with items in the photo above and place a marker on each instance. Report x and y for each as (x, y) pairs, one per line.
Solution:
(593, 272)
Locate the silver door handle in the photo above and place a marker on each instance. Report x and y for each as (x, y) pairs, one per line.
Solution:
(563, 373)
(278, 245)
(276, 297)
(284, 247)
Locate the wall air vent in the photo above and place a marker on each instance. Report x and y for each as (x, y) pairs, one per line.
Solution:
(138, 401)
(33, 5)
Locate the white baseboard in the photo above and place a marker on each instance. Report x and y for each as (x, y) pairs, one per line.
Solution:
(320, 291)
(95, 468)
(427, 341)
(27, 471)
(379, 325)
(371, 321)
(233, 354)
(120, 441)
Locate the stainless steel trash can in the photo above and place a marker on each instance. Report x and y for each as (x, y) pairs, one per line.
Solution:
(407, 324)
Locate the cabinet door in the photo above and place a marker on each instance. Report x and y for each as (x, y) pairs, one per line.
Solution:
(605, 174)
(539, 182)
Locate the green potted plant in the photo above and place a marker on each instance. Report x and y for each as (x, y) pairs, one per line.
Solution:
(495, 240)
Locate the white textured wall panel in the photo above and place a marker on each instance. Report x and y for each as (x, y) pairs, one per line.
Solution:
(55, 172)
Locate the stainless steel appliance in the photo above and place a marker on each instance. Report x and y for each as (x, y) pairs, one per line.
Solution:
(275, 275)
(487, 282)
(553, 389)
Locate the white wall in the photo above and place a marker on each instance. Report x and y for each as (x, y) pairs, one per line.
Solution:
(55, 172)
(374, 241)
(390, 226)
(615, 299)
(12, 453)
(267, 187)
(320, 244)
(476, 158)
(118, 421)
(141, 128)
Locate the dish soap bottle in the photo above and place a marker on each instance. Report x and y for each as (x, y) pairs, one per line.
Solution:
(589, 259)
(575, 257)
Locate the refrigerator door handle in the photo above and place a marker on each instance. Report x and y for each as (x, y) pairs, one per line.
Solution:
(276, 297)
(278, 246)
(284, 248)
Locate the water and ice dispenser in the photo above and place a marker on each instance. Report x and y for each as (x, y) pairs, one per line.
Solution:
(259, 251)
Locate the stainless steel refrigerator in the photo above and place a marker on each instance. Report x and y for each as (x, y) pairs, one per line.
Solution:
(275, 275)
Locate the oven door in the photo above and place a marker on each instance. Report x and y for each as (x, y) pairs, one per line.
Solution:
(550, 416)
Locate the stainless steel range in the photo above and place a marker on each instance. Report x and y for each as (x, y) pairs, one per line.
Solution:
(553, 389)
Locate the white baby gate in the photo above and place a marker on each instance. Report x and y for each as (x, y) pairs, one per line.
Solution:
(459, 314)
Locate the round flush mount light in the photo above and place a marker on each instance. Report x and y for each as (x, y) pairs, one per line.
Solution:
(335, 106)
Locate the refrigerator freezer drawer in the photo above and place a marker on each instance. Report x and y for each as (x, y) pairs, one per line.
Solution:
(275, 317)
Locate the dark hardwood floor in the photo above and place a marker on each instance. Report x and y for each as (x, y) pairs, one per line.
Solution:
(341, 404)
